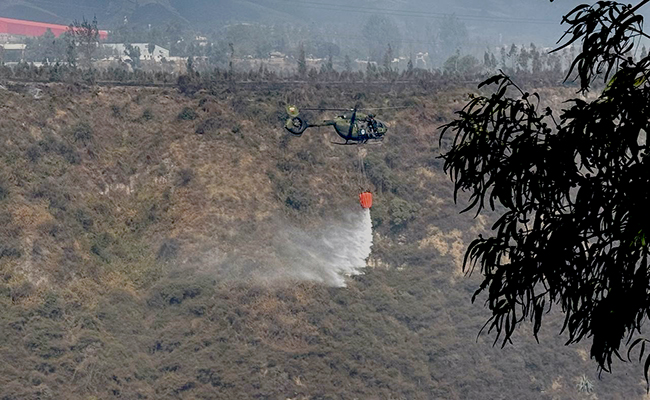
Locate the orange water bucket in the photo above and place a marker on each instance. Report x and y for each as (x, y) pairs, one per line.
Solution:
(365, 199)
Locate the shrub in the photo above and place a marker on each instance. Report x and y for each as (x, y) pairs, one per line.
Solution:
(53, 229)
(169, 293)
(4, 192)
(84, 219)
(168, 250)
(401, 212)
(186, 85)
(82, 132)
(51, 307)
(379, 173)
(34, 153)
(297, 199)
(187, 114)
(56, 197)
(21, 291)
(147, 115)
(117, 112)
(411, 102)
(9, 250)
(185, 176)
(51, 144)
(276, 116)
(68, 153)
(207, 126)
(100, 246)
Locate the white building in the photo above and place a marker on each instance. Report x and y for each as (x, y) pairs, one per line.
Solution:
(421, 59)
(157, 54)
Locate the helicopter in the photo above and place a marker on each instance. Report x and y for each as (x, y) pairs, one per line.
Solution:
(355, 127)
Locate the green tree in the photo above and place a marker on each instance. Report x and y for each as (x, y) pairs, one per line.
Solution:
(378, 32)
(388, 59)
(523, 60)
(217, 54)
(452, 36)
(70, 49)
(231, 61)
(536, 59)
(458, 64)
(489, 61)
(84, 36)
(371, 71)
(511, 57)
(45, 48)
(302, 61)
(347, 64)
(190, 66)
(253, 39)
(572, 191)
(451, 64)
(329, 65)
(486, 59)
(504, 57)
(133, 52)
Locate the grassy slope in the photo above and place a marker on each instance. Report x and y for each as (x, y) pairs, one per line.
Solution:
(131, 247)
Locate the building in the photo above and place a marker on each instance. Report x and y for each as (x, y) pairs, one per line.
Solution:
(421, 59)
(157, 54)
(19, 27)
(12, 52)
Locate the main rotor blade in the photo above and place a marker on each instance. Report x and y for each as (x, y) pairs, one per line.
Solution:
(358, 109)
(327, 109)
(386, 108)
(352, 118)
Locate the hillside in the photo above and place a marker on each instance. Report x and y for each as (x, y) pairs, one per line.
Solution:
(144, 244)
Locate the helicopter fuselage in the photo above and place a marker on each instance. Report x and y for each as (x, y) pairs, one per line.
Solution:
(356, 133)
(355, 127)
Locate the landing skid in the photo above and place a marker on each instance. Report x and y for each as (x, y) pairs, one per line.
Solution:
(346, 143)
(358, 143)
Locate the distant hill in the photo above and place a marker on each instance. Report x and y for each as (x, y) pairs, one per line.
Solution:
(518, 21)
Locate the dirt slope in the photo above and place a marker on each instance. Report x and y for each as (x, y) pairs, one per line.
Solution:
(137, 248)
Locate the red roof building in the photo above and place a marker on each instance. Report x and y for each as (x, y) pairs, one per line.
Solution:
(30, 28)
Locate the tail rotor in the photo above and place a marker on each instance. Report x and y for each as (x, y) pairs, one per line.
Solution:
(295, 124)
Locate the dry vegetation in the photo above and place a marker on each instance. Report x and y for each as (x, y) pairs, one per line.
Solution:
(135, 224)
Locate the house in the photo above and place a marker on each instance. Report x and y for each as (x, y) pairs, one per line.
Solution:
(12, 52)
